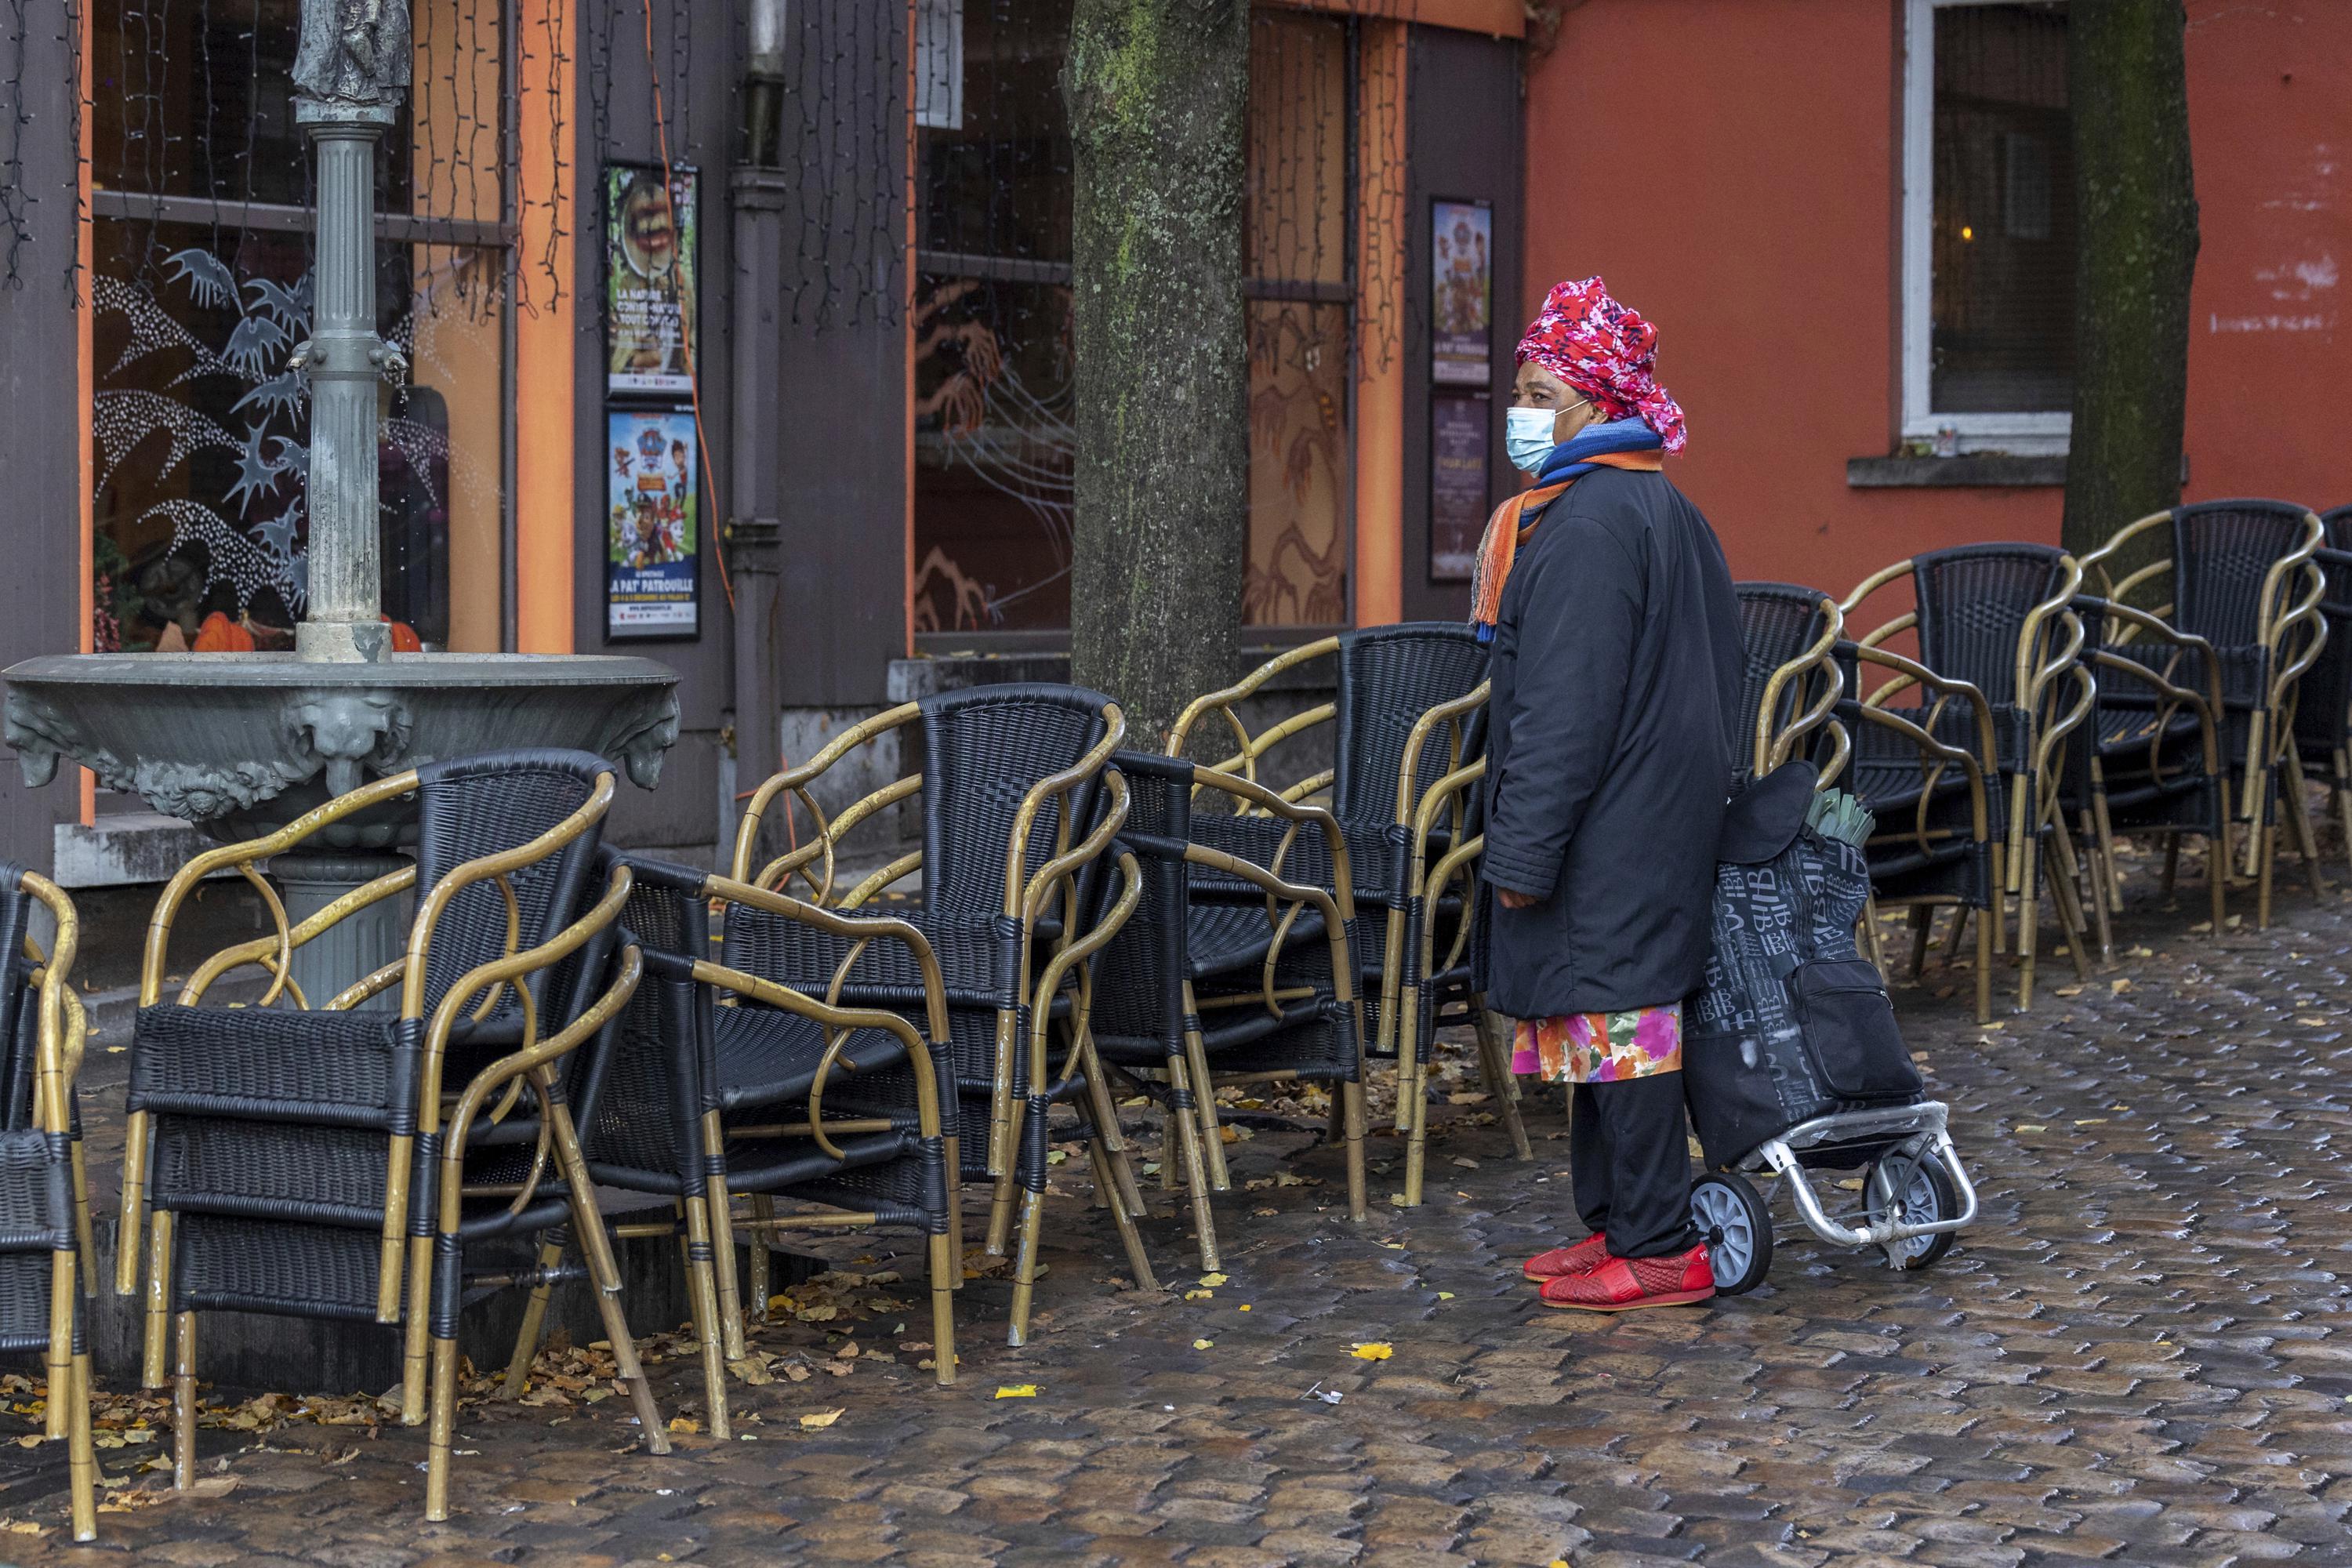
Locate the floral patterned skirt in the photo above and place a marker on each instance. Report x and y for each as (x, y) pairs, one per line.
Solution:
(1600, 1047)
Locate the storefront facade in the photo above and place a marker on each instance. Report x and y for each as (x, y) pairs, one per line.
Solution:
(644, 340)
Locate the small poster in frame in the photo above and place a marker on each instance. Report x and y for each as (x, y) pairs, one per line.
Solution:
(649, 280)
(651, 545)
(1458, 424)
(1461, 293)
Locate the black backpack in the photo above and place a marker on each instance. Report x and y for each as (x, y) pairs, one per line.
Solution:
(1791, 1022)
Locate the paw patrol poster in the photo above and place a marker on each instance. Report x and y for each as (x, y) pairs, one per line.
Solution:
(651, 552)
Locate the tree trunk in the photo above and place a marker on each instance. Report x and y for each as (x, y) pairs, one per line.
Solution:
(2127, 80)
(1158, 95)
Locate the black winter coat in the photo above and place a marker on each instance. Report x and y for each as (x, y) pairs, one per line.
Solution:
(1616, 675)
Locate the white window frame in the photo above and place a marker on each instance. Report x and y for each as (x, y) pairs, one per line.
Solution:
(2021, 433)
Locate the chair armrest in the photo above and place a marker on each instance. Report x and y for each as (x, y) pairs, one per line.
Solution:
(859, 929)
(1300, 816)
(1200, 707)
(1911, 672)
(797, 780)
(1445, 714)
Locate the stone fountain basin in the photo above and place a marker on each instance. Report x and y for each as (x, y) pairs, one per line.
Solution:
(241, 744)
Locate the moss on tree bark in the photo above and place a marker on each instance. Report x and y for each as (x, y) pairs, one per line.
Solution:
(2127, 88)
(1157, 94)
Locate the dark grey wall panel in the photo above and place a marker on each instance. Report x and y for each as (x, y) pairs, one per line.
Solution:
(1463, 141)
(41, 416)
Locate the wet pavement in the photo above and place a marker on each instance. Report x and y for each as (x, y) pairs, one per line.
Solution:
(2141, 1355)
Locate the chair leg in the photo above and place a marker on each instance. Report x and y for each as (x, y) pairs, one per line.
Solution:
(1024, 1264)
(2113, 888)
(2094, 852)
(1870, 932)
(2070, 907)
(1351, 1110)
(1984, 966)
(534, 1319)
(1923, 927)
(1105, 1109)
(138, 1137)
(2266, 864)
(606, 1286)
(2298, 807)
(2341, 790)
(1002, 1201)
(946, 1271)
(1412, 1092)
(760, 1290)
(2217, 879)
(61, 1351)
(1139, 1262)
(155, 1347)
(1495, 1055)
(1196, 1174)
(183, 1401)
(85, 1238)
(442, 1428)
(2029, 920)
(720, 1204)
(417, 1333)
(81, 1454)
(710, 1324)
(2216, 849)
(1204, 1099)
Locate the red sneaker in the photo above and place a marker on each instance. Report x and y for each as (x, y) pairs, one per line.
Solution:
(1622, 1284)
(1564, 1262)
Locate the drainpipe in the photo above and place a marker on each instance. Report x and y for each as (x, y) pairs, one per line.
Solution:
(756, 192)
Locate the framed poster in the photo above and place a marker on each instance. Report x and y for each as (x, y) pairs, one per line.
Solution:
(1458, 424)
(650, 544)
(650, 252)
(1461, 293)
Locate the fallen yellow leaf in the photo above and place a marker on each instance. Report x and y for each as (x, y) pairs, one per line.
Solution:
(2118, 987)
(1198, 1295)
(818, 1420)
(1375, 1352)
(1446, 1295)
(1204, 1344)
(1212, 1281)
(683, 1423)
(1017, 1390)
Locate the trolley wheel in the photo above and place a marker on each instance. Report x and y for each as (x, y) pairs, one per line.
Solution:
(1736, 1227)
(1922, 1193)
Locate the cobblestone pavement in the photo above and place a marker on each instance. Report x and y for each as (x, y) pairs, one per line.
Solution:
(2140, 1355)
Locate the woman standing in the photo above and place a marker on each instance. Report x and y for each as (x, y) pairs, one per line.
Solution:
(1616, 672)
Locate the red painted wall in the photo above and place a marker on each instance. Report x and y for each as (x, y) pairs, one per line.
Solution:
(1733, 168)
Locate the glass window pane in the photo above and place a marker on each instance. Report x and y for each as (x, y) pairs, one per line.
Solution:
(1295, 216)
(996, 182)
(2003, 226)
(1300, 465)
(203, 431)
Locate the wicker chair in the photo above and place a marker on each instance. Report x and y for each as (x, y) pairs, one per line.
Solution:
(1018, 815)
(771, 1094)
(1998, 617)
(1791, 684)
(312, 1163)
(1205, 994)
(2148, 759)
(2323, 710)
(1406, 714)
(2242, 575)
(44, 1206)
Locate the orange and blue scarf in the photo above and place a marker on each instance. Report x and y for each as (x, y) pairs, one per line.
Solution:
(1617, 444)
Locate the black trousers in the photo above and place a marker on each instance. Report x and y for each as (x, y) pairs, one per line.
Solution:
(1629, 1154)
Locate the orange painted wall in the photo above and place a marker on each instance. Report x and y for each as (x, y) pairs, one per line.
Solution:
(1732, 168)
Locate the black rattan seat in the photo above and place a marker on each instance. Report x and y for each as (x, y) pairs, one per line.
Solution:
(297, 1161)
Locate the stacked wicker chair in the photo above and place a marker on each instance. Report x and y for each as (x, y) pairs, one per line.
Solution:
(44, 1249)
(318, 1161)
(1018, 811)
(1790, 683)
(1999, 618)
(2323, 710)
(2243, 576)
(1203, 994)
(1405, 718)
(719, 1083)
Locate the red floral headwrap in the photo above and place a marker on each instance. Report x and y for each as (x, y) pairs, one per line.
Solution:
(1605, 351)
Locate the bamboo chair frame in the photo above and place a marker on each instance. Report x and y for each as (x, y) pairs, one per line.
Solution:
(2290, 633)
(1937, 759)
(2048, 654)
(1818, 685)
(1027, 898)
(1400, 943)
(709, 1226)
(407, 1258)
(1193, 1135)
(61, 1036)
(2171, 698)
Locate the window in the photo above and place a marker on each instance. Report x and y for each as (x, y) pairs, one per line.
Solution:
(993, 442)
(201, 291)
(1988, 226)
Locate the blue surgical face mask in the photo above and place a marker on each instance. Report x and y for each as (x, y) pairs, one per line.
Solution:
(1527, 436)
